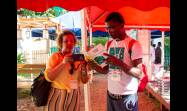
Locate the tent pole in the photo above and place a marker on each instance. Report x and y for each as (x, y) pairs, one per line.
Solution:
(90, 26)
(84, 49)
(91, 46)
(91, 39)
(98, 17)
(58, 27)
(139, 27)
(83, 31)
(162, 46)
(30, 51)
(144, 36)
(46, 36)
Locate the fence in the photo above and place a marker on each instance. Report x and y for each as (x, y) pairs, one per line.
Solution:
(37, 56)
(26, 73)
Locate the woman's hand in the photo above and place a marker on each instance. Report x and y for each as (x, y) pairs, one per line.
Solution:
(90, 62)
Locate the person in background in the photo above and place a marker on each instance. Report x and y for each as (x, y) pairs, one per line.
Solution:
(123, 69)
(66, 75)
(154, 46)
(158, 55)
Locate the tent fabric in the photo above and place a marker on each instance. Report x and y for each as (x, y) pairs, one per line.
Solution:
(133, 17)
(136, 12)
(74, 5)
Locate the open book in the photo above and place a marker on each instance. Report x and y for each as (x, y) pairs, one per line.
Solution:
(97, 54)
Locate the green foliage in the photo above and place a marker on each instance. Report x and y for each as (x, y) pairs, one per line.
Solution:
(20, 58)
(167, 41)
(167, 53)
(98, 40)
(51, 12)
(26, 75)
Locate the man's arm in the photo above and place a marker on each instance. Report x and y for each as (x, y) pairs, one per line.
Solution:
(134, 70)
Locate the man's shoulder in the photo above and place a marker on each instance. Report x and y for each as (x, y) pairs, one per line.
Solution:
(131, 41)
(128, 38)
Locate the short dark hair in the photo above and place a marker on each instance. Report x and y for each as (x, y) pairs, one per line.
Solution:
(116, 17)
(154, 45)
(159, 43)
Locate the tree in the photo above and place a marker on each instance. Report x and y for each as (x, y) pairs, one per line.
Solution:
(51, 12)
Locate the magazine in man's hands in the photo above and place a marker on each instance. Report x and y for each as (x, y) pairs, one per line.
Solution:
(97, 54)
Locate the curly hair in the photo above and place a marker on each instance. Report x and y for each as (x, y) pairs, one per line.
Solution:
(59, 39)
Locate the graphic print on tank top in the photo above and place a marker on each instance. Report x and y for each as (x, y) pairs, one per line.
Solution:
(117, 52)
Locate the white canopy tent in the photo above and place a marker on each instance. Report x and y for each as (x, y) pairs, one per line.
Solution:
(69, 20)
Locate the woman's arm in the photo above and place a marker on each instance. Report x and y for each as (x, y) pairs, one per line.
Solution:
(54, 66)
(53, 73)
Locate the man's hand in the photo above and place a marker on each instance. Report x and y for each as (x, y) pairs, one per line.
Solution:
(113, 60)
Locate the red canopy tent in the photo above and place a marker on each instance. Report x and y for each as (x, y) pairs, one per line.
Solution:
(138, 14)
(73, 5)
(147, 14)
(158, 18)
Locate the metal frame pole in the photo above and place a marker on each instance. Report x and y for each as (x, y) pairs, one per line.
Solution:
(91, 38)
(162, 46)
(84, 49)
